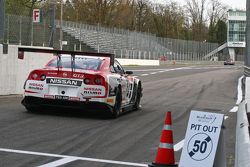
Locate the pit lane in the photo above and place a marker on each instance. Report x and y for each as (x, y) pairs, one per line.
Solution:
(134, 137)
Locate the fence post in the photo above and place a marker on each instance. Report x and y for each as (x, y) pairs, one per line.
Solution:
(2, 20)
(80, 37)
(8, 29)
(44, 31)
(20, 31)
(32, 33)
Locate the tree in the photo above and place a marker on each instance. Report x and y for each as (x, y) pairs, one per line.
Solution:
(216, 12)
(196, 14)
(221, 31)
(21, 7)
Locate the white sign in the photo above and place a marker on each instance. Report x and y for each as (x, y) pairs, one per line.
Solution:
(64, 42)
(37, 15)
(201, 139)
(236, 44)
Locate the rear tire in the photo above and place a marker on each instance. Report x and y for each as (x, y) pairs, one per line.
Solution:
(31, 109)
(118, 103)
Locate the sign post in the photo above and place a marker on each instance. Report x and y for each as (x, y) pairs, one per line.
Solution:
(201, 140)
(37, 15)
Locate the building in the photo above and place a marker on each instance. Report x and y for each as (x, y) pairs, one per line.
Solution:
(236, 31)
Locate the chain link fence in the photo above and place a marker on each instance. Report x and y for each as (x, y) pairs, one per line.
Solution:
(21, 30)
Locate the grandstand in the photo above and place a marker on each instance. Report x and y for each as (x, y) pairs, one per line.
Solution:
(122, 43)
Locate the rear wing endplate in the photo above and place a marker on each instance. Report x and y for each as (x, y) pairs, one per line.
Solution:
(59, 52)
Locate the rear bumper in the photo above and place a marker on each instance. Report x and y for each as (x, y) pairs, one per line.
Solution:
(37, 102)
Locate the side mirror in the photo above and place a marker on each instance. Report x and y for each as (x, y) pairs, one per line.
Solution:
(129, 72)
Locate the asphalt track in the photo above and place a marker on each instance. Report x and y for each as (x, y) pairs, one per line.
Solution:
(52, 138)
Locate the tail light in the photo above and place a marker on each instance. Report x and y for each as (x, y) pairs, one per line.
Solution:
(87, 81)
(94, 80)
(34, 76)
(37, 75)
(42, 77)
(98, 81)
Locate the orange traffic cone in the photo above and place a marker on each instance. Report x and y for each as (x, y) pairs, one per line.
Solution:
(165, 153)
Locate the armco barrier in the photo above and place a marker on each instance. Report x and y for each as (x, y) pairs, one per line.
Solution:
(13, 71)
(242, 146)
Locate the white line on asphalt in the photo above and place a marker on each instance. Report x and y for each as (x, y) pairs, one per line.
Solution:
(153, 73)
(144, 74)
(179, 145)
(234, 109)
(161, 71)
(239, 90)
(239, 96)
(76, 158)
(59, 162)
(148, 70)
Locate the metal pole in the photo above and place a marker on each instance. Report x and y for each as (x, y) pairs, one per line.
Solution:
(247, 57)
(52, 23)
(20, 31)
(61, 24)
(2, 13)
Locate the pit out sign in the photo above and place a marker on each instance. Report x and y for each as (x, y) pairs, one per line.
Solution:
(201, 140)
(37, 15)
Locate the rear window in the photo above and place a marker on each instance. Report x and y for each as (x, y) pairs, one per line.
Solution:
(81, 62)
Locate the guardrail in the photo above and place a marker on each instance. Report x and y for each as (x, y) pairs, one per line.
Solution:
(246, 71)
(242, 146)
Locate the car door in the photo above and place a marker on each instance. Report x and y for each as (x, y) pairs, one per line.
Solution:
(123, 81)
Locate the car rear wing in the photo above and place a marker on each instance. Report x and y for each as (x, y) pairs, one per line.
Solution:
(58, 53)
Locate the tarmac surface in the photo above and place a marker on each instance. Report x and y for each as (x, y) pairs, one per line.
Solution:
(93, 140)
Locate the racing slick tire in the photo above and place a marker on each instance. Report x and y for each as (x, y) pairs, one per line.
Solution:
(118, 103)
(138, 97)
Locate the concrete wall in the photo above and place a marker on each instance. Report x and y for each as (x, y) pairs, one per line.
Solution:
(13, 71)
(138, 62)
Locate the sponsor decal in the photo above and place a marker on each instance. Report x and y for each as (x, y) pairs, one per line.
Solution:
(52, 73)
(35, 86)
(63, 82)
(92, 91)
(74, 98)
(65, 74)
(78, 75)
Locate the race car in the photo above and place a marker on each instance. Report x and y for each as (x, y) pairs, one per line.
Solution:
(82, 80)
(229, 62)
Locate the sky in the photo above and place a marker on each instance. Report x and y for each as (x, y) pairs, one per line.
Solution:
(234, 4)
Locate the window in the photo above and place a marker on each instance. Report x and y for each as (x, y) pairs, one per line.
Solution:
(81, 62)
(117, 68)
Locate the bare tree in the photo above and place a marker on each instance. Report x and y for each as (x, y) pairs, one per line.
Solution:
(196, 13)
(216, 12)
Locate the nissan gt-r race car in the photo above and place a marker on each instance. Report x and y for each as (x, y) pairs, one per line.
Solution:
(87, 81)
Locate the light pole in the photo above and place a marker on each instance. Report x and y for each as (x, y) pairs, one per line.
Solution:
(61, 25)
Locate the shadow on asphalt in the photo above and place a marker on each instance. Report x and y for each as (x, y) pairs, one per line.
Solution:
(102, 115)
(99, 115)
